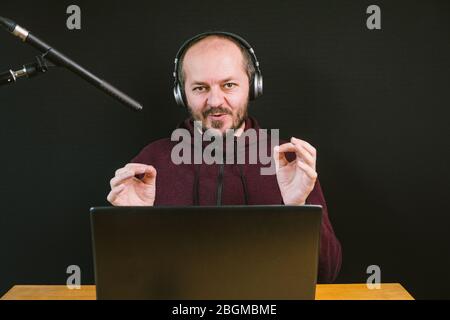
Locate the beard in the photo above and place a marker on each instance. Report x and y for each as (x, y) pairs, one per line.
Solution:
(237, 119)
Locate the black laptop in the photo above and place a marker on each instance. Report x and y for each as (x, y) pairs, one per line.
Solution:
(206, 253)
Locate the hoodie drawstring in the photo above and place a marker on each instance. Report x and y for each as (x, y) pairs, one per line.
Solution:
(219, 186)
(241, 173)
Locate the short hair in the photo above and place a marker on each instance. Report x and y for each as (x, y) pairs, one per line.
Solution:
(249, 65)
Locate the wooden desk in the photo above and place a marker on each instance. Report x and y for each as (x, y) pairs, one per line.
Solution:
(388, 291)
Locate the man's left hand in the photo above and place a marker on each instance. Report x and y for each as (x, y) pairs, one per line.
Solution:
(297, 178)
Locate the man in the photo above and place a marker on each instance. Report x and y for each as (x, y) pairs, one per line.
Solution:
(217, 78)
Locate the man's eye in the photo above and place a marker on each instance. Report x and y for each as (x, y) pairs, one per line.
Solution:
(200, 89)
(229, 85)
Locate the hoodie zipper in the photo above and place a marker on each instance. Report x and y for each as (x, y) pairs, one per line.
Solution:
(220, 184)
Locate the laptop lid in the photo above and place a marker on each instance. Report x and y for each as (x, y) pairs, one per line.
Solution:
(227, 252)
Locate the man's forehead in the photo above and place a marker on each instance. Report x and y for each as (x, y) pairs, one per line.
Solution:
(209, 48)
(204, 75)
(213, 58)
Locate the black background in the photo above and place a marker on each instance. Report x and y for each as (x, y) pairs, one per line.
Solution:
(374, 103)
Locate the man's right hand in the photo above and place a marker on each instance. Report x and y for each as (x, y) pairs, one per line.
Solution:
(127, 190)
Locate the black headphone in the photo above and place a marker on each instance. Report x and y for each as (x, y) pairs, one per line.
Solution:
(256, 83)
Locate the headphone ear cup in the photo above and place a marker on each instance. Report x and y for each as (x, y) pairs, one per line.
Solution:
(256, 86)
(178, 94)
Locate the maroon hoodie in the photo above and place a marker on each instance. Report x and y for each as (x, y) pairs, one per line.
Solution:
(231, 184)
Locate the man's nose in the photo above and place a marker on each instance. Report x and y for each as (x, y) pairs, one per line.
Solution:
(215, 97)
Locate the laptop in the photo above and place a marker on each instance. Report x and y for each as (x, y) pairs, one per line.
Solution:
(206, 253)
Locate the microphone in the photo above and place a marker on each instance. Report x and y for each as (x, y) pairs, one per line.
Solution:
(60, 59)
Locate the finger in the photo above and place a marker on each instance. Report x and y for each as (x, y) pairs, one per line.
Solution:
(150, 175)
(135, 165)
(129, 166)
(300, 152)
(310, 172)
(306, 156)
(287, 147)
(280, 158)
(112, 196)
(138, 168)
(125, 174)
(290, 147)
(306, 145)
(121, 177)
(120, 171)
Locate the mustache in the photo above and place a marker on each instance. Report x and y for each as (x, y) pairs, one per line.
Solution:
(216, 110)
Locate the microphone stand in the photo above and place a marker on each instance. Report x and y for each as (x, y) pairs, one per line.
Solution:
(29, 70)
(60, 60)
